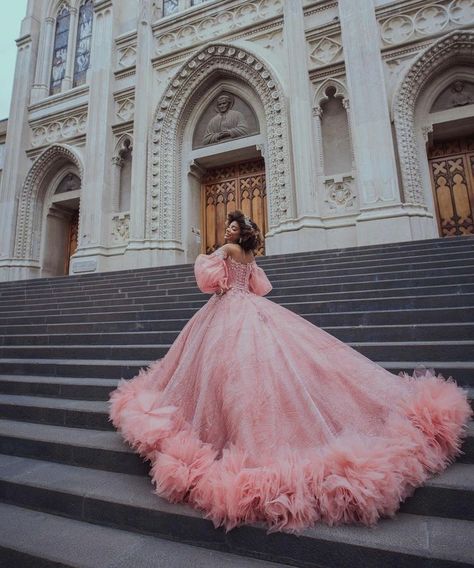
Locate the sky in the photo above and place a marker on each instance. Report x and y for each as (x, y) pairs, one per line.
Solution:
(13, 11)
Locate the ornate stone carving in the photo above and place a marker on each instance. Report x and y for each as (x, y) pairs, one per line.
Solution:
(127, 56)
(125, 108)
(163, 212)
(220, 23)
(58, 129)
(121, 227)
(325, 50)
(426, 21)
(227, 122)
(29, 212)
(454, 46)
(339, 195)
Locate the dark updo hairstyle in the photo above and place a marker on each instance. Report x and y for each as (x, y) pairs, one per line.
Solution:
(250, 235)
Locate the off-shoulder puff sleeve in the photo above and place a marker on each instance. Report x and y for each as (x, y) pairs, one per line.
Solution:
(211, 271)
(258, 282)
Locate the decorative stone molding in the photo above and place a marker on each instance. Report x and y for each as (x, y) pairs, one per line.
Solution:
(121, 227)
(340, 194)
(325, 50)
(430, 20)
(29, 210)
(58, 129)
(125, 108)
(271, 40)
(444, 52)
(126, 57)
(211, 26)
(163, 211)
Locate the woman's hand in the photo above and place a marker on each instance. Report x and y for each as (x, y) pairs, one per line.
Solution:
(223, 289)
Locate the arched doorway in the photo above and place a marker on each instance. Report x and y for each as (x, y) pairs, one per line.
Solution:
(61, 225)
(174, 220)
(433, 119)
(48, 202)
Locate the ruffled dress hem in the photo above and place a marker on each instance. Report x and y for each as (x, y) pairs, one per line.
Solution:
(355, 478)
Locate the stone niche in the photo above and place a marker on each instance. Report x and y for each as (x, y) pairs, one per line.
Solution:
(225, 118)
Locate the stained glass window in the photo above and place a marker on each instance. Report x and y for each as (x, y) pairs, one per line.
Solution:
(170, 7)
(58, 68)
(83, 43)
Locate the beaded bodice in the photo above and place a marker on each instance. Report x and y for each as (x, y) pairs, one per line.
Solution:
(239, 274)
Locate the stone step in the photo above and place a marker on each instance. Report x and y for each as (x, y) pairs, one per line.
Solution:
(128, 322)
(447, 245)
(423, 332)
(189, 298)
(86, 545)
(462, 351)
(287, 266)
(126, 502)
(90, 447)
(345, 281)
(305, 304)
(106, 369)
(56, 411)
(81, 388)
(85, 447)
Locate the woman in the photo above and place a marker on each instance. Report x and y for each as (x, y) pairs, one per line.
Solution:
(255, 414)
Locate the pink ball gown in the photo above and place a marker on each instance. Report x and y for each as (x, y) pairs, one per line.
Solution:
(255, 414)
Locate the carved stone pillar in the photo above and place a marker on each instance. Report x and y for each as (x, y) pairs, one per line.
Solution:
(142, 120)
(96, 183)
(383, 218)
(299, 94)
(43, 64)
(16, 163)
(117, 164)
(71, 49)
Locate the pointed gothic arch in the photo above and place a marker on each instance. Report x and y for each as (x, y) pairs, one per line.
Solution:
(163, 208)
(455, 47)
(27, 241)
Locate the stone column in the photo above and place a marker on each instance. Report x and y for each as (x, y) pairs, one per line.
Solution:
(382, 215)
(43, 66)
(299, 95)
(142, 120)
(71, 50)
(98, 150)
(305, 231)
(16, 164)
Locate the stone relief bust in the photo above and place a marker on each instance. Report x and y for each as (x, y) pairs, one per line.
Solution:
(227, 123)
(460, 96)
(225, 118)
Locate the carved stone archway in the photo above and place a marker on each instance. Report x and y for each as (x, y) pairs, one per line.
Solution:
(163, 212)
(28, 228)
(455, 47)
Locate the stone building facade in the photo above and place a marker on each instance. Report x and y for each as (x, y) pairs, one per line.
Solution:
(135, 125)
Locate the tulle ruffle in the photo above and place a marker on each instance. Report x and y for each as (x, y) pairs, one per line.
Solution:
(352, 478)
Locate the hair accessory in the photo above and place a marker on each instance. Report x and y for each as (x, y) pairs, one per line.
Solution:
(247, 221)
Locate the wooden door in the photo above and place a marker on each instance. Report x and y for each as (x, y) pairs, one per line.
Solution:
(452, 175)
(226, 188)
(72, 240)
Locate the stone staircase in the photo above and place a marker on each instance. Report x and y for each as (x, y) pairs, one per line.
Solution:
(74, 495)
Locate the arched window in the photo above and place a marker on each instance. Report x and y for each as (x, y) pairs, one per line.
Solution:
(83, 43)
(58, 67)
